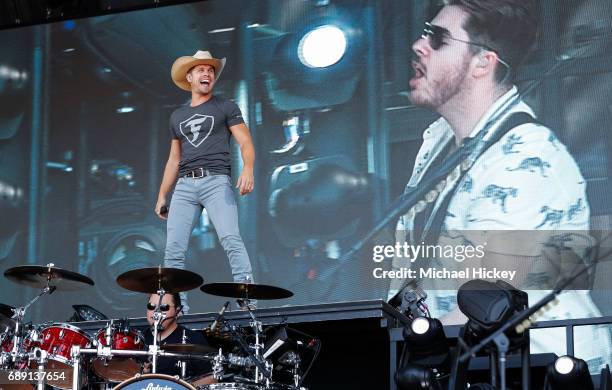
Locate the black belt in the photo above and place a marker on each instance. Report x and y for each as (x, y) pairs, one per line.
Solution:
(199, 173)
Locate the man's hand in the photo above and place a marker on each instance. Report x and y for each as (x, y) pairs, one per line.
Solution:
(246, 181)
(158, 208)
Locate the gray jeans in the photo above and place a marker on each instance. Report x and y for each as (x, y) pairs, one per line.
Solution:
(215, 194)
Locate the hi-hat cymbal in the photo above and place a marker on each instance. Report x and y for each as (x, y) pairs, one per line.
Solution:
(188, 348)
(6, 322)
(150, 280)
(38, 276)
(246, 291)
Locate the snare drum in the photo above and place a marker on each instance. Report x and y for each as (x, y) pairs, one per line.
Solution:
(153, 382)
(57, 340)
(119, 368)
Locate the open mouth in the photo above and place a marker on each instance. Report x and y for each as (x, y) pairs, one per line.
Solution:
(418, 70)
(204, 82)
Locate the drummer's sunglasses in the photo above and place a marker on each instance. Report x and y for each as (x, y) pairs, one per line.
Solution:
(151, 306)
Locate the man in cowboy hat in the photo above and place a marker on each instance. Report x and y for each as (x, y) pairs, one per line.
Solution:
(199, 165)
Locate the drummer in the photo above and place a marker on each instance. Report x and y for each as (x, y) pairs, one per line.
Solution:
(172, 333)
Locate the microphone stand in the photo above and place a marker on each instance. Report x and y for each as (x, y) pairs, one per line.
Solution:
(158, 318)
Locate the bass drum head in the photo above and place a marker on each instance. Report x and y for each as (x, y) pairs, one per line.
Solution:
(154, 382)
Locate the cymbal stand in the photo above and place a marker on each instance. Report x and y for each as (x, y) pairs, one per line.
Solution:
(261, 367)
(295, 359)
(41, 359)
(19, 314)
(183, 363)
(158, 318)
(257, 329)
(218, 372)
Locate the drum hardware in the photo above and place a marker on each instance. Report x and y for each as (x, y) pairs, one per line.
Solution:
(263, 369)
(118, 336)
(218, 372)
(244, 292)
(36, 350)
(160, 281)
(77, 352)
(183, 364)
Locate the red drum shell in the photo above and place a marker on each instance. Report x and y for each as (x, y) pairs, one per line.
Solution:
(118, 368)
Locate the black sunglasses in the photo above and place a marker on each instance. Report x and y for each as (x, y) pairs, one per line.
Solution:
(436, 35)
(164, 307)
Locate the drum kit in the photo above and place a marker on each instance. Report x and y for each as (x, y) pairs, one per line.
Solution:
(63, 356)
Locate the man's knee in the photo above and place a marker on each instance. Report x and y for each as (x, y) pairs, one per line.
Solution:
(232, 242)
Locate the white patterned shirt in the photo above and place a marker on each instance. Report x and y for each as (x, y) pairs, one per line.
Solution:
(527, 181)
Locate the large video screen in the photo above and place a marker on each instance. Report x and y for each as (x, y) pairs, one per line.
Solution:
(85, 108)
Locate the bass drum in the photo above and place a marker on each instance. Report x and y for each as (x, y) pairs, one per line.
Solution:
(154, 381)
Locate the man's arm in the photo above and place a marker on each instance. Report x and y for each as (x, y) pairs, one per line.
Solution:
(169, 178)
(242, 135)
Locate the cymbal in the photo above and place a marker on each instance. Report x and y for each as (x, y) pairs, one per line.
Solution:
(246, 290)
(6, 322)
(188, 348)
(38, 276)
(150, 280)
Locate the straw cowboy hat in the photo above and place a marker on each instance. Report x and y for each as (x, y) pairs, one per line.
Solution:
(182, 65)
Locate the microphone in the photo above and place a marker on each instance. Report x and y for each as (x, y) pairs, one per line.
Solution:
(161, 323)
(223, 309)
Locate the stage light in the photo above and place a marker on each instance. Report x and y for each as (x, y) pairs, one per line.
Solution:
(319, 201)
(426, 354)
(322, 47)
(489, 305)
(568, 372)
(420, 325)
(564, 365)
(125, 109)
(319, 64)
(414, 377)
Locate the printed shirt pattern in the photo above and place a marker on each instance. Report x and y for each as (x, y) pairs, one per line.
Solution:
(526, 181)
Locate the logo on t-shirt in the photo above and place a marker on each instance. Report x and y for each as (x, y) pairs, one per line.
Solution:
(197, 128)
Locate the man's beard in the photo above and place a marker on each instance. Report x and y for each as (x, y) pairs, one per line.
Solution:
(442, 90)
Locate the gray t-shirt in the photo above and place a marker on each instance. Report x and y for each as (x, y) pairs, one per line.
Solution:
(204, 134)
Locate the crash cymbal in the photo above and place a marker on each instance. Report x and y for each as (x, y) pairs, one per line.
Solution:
(246, 290)
(38, 276)
(188, 348)
(6, 310)
(150, 280)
